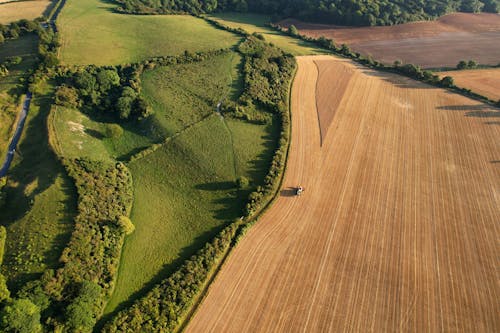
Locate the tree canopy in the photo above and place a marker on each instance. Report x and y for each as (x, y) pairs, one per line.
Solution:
(349, 12)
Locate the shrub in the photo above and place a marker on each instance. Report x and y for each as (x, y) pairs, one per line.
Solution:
(67, 96)
(113, 131)
(447, 81)
(21, 316)
(81, 314)
(292, 30)
(126, 225)
(242, 182)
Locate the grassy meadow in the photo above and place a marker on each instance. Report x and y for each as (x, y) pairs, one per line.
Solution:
(41, 201)
(257, 23)
(92, 33)
(186, 191)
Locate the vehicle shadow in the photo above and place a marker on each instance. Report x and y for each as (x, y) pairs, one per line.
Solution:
(288, 192)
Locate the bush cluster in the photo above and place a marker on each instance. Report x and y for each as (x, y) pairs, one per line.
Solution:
(114, 90)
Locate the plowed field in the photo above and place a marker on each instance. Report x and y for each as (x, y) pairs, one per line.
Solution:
(485, 82)
(430, 44)
(397, 229)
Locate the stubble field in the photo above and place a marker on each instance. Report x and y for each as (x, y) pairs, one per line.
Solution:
(485, 82)
(397, 227)
(14, 11)
(430, 44)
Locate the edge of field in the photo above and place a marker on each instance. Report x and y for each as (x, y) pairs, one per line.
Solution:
(242, 228)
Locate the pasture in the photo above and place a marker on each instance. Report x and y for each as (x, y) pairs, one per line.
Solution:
(185, 190)
(119, 39)
(257, 23)
(15, 11)
(397, 227)
(429, 44)
(485, 82)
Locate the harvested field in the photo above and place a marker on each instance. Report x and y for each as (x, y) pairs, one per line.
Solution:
(14, 11)
(397, 229)
(485, 82)
(430, 44)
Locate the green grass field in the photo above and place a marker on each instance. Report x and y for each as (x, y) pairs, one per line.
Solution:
(11, 86)
(92, 33)
(257, 23)
(184, 94)
(185, 191)
(41, 202)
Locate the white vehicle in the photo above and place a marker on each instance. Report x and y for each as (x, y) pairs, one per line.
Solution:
(299, 190)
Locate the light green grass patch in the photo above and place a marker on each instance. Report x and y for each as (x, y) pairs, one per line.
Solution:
(257, 23)
(78, 135)
(92, 33)
(41, 202)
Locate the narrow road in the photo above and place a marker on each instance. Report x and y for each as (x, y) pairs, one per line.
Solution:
(17, 135)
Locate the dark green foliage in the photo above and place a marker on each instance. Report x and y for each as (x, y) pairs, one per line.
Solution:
(67, 96)
(447, 81)
(20, 316)
(471, 64)
(81, 314)
(112, 90)
(349, 12)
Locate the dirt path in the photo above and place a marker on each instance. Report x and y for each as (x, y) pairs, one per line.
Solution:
(397, 229)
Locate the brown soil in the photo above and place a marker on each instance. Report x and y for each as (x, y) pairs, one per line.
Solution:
(430, 44)
(397, 229)
(485, 82)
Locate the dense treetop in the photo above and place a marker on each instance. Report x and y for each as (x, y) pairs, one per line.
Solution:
(349, 12)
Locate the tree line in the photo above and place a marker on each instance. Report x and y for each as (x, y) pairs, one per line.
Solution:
(348, 12)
